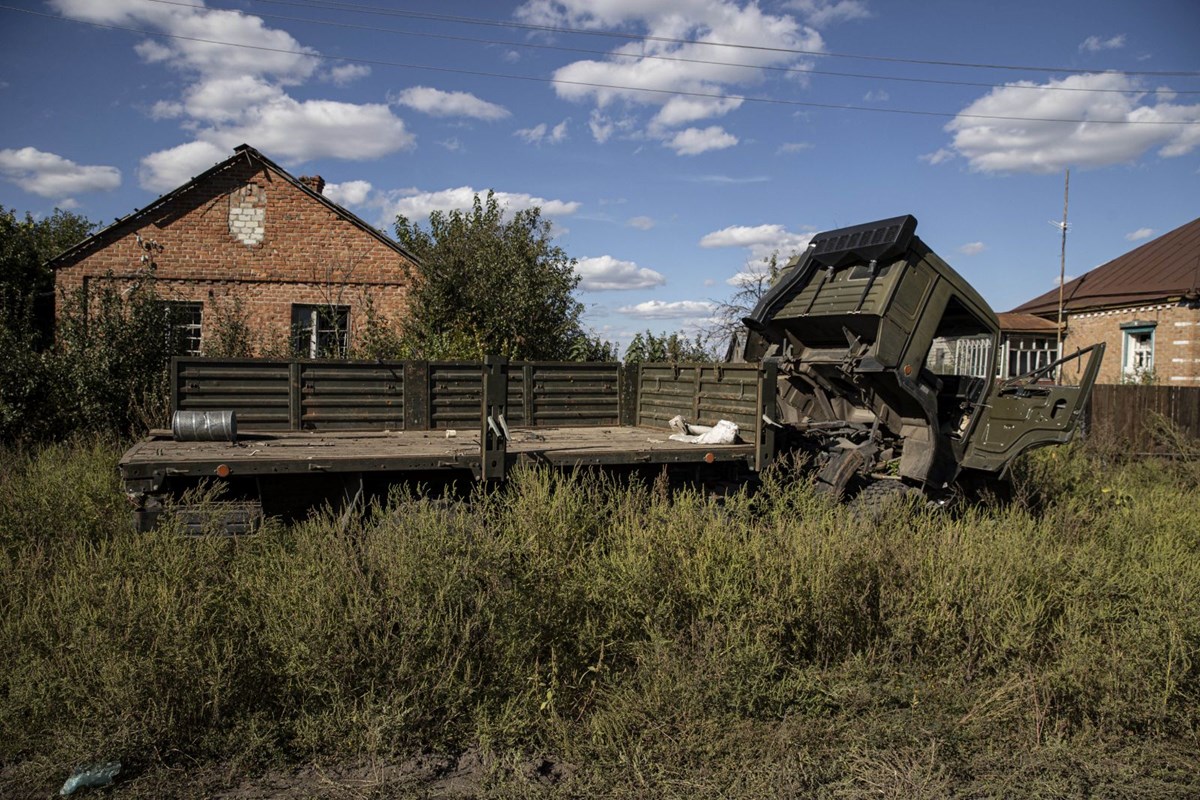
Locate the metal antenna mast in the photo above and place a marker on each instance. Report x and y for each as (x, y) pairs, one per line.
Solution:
(1062, 267)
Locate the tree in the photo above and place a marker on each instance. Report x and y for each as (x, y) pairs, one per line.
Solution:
(26, 283)
(727, 324)
(648, 347)
(31, 385)
(484, 284)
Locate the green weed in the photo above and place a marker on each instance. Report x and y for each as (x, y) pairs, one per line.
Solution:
(669, 644)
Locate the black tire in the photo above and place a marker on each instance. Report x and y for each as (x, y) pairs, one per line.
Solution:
(879, 494)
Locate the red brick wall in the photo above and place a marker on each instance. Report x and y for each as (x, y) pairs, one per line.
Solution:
(1176, 341)
(299, 251)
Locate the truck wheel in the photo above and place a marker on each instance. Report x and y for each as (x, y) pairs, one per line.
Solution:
(879, 494)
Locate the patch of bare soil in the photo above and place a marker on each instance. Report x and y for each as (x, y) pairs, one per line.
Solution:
(428, 775)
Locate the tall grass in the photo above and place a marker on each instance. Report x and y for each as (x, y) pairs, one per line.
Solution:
(668, 643)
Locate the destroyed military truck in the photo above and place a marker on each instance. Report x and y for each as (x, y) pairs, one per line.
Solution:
(886, 363)
(870, 361)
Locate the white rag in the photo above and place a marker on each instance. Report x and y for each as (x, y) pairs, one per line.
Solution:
(724, 432)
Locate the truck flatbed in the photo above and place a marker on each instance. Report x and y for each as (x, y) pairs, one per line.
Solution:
(289, 452)
(316, 431)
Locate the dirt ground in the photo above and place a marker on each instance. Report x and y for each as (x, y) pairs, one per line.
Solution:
(428, 775)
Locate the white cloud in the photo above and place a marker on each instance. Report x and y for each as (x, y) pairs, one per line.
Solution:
(168, 169)
(166, 109)
(774, 237)
(1139, 234)
(417, 205)
(601, 126)
(642, 71)
(50, 175)
(694, 141)
(320, 129)
(224, 100)
(641, 223)
(452, 144)
(942, 154)
(972, 248)
(751, 275)
(761, 242)
(344, 74)
(1094, 44)
(437, 103)
(1010, 145)
(295, 64)
(684, 110)
(659, 309)
(248, 109)
(236, 95)
(820, 13)
(349, 193)
(876, 96)
(788, 148)
(605, 273)
(542, 134)
(727, 180)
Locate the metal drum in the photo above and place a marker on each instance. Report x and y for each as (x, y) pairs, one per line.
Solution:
(204, 426)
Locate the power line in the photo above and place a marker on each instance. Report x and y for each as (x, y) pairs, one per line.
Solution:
(593, 85)
(680, 59)
(332, 5)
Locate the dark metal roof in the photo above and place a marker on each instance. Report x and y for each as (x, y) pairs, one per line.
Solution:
(1012, 322)
(1166, 269)
(242, 151)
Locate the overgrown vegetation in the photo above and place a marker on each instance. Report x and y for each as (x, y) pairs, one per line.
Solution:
(488, 282)
(651, 347)
(104, 367)
(768, 645)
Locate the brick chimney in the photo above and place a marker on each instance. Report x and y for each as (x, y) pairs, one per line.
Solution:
(314, 182)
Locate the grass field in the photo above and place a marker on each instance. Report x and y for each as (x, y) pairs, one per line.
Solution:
(575, 638)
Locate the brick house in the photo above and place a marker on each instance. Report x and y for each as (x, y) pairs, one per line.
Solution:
(1145, 305)
(1027, 342)
(248, 237)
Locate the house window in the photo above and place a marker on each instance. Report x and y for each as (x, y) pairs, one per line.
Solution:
(962, 345)
(320, 331)
(1137, 363)
(184, 321)
(1027, 353)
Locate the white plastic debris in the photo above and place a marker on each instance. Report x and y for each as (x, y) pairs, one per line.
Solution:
(724, 432)
(90, 777)
(451, 433)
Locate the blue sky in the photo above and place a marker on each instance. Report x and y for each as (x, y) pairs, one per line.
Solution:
(745, 143)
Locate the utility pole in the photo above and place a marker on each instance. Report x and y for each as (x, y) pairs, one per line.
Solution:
(1062, 269)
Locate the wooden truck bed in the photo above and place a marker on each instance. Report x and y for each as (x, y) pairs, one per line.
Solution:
(305, 452)
(367, 422)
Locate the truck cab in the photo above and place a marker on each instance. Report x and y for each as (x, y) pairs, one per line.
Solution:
(887, 361)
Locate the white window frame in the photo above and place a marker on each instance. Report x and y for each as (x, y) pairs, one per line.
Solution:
(969, 355)
(1024, 353)
(321, 330)
(190, 332)
(1137, 352)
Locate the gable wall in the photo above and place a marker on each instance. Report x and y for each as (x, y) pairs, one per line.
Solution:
(248, 233)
